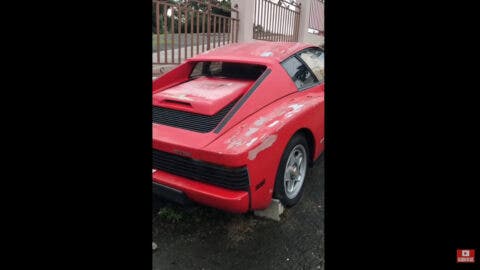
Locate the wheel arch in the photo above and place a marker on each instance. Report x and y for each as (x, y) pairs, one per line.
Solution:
(308, 134)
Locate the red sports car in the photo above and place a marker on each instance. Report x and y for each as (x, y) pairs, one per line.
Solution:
(238, 125)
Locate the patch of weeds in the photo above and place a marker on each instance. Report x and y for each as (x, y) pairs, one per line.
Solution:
(170, 215)
(239, 229)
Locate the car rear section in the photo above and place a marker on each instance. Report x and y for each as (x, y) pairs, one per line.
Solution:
(219, 130)
(184, 117)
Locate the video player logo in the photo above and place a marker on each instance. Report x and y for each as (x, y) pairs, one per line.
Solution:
(465, 255)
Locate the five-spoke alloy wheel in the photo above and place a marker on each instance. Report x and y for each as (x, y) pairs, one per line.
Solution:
(292, 171)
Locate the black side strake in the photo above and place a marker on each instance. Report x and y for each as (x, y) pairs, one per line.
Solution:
(213, 174)
(242, 100)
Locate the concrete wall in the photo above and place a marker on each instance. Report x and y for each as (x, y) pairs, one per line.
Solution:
(246, 9)
(304, 35)
(314, 39)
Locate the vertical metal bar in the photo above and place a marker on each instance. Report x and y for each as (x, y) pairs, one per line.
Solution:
(255, 21)
(198, 28)
(285, 24)
(165, 32)
(232, 25)
(220, 30)
(265, 20)
(259, 22)
(298, 25)
(267, 17)
(214, 29)
(236, 28)
(209, 10)
(294, 21)
(291, 26)
(217, 34)
(185, 28)
(288, 25)
(191, 33)
(294, 33)
(262, 19)
(172, 34)
(228, 29)
(282, 23)
(157, 21)
(179, 34)
(203, 31)
(232, 28)
(280, 15)
(277, 20)
(224, 29)
(273, 22)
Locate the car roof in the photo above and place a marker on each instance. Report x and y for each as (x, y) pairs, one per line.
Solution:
(256, 51)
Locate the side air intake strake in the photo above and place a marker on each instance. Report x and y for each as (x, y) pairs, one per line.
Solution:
(188, 120)
(230, 178)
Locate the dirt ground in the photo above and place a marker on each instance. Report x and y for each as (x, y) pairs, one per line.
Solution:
(199, 237)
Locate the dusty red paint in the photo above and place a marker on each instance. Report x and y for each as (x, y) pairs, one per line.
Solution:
(204, 95)
(255, 136)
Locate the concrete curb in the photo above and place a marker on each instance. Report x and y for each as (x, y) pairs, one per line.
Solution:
(273, 211)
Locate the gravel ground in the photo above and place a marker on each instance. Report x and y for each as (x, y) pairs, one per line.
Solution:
(199, 237)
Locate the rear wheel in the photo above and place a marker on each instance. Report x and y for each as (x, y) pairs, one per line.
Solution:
(292, 171)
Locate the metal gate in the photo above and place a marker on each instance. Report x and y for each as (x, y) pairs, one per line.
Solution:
(182, 29)
(276, 20)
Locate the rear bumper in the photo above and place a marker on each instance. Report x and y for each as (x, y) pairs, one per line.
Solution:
(181, 190)
(170, 194)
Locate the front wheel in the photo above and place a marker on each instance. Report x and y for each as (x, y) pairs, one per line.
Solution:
(292, 171)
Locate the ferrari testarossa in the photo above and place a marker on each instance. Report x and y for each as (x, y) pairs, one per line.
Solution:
(239, 125)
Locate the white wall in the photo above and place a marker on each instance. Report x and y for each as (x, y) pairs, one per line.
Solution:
(246, 13)
(304, 35)
(317, 40)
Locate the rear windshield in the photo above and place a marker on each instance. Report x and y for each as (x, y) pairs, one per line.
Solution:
(227, 70)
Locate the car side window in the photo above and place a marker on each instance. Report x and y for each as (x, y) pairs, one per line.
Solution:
(197, 70)
(315, 61)
(299, 73)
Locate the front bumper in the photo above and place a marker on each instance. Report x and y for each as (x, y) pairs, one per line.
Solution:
(173, 186)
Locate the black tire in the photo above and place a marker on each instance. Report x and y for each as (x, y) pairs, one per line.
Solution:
(280, 191)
